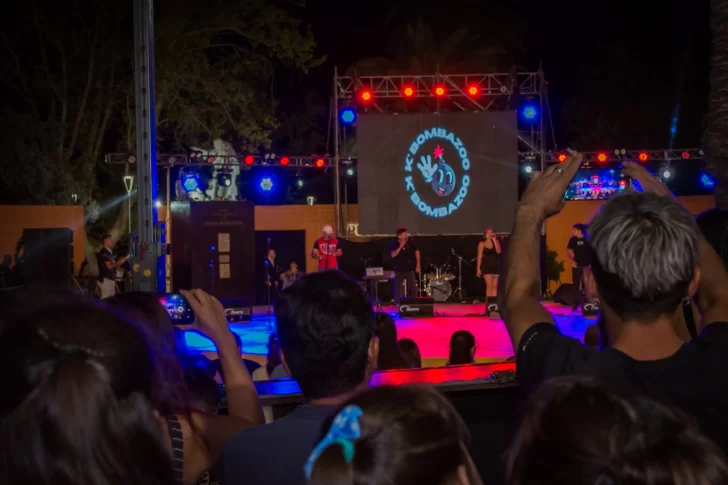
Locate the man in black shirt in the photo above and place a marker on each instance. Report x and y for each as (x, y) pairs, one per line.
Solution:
(107, 268)
(645, 254)
(406, 258)
(579, 253)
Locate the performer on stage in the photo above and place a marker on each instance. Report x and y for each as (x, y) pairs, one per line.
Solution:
(272, 275)
(406, 258)
(487, 266)
(292, 275)
(579, 253)
(326, 250)
(107, 268)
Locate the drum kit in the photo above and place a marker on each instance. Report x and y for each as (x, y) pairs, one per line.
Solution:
(435, 282)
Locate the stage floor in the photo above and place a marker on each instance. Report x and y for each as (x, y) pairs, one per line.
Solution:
(432, 335)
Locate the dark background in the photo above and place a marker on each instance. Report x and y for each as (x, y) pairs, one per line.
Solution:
(384, 202)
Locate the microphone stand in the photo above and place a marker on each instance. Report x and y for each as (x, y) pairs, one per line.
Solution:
(459, 290)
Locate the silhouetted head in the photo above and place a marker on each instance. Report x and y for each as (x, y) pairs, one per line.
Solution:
(578, 230)
(411, 351)
(390, 356)
(462, 348)
(78, 400)
(108, 241)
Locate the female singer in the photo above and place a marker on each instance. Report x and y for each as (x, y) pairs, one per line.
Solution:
(487, 267)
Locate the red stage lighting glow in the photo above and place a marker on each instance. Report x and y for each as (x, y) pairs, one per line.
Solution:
(249, 160)
(562, 157)
(642, 157)
(473, 90)
(408, 91)
(366, 95)
(602, 157)
(439, 91)
(319, 163)
(285, 160)
(685, 155)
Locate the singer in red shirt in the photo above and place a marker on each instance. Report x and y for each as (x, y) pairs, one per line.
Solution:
(326, 250)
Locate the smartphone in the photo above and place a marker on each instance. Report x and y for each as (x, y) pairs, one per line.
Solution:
(177, 307)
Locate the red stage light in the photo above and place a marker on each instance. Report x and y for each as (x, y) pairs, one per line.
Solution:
(366, 95)
(408, 91)
(642, 157)
(285, 160)
(473, 90)
(439, 91)
(685, 155)
(561, 157)
(602, 157)
(249, 160)
(319, 163)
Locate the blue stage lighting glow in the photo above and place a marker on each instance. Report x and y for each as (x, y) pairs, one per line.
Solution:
(347, 115)
(707, 180)
(529, 112)
(266, 183)
(191, 183)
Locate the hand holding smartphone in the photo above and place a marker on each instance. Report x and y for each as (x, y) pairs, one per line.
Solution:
(178, 308)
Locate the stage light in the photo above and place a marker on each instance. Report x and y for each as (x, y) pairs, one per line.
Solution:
(439, 91)
(528, 169)
(158, 204)
(529, 112)
(561, 157)
(224, 178)
(266, 184)
(473, 90)
(285, 161)
(685, 155)
(665, 172)
(249, 160)
(347, 115)
(299, 182)
(310, 200)
(408, 91)
(601, 157)
(365, 95)
(643, 156)
(707, 180)
(190, 182)
(350, 172)
(319, 163)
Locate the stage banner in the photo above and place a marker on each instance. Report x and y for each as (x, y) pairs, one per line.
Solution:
(447, 173)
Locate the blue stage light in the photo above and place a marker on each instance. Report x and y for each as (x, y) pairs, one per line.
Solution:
(529, 112)
(191, 183)
(347, 115)
(266, 183)
(707, 180)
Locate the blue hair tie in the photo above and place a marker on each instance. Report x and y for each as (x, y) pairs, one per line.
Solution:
(344, 431)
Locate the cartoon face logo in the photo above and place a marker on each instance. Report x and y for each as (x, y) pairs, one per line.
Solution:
(443, 181)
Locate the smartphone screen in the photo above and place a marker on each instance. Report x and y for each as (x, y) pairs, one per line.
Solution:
(178, 308)
(597, 184)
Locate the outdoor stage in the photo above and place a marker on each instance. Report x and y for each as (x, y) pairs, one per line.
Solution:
(431, 334)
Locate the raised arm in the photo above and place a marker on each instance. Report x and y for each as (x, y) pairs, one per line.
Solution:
(496, 244)
(418, 268)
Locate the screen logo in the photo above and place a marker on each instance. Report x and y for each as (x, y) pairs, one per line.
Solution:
(433, 174)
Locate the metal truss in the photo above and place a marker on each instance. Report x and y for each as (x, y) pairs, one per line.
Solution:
(490, 87)
(184, 159)
(623, 155)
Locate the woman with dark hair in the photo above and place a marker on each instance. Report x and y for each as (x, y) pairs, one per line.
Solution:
(77, 398)
(408, 435)
(462, 348)
(580, 430)
(273, 368)
(411, 351)
(390, 356)
(487, 266)
(202, 435)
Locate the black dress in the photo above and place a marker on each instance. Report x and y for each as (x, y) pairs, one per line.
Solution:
(489, 261)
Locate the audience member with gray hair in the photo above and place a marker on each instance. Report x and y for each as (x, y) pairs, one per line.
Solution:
(648, 257)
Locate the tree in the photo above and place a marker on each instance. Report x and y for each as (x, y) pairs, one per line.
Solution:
(716, 131)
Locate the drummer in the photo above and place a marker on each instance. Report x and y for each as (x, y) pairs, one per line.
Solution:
(406, 262)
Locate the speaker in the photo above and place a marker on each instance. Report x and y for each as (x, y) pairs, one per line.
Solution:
(590, 308)
(416, 307)
(238, 310)
(48, 257)
(567, 294)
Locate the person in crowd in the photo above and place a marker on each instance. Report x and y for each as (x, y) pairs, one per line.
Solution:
(107, 268)
(462, 348)
(202, 435)
(411, 351)
(390, 355)
(204, 391)
(580, 256)
(273, 368)
(325, 326)
(405, 262)
(272, 276)
(580, 430)
(292, 275)
(646, 248)
(326, 250)
(6, 272)
(250, 364)
(78, 399)
(487, 265)
(404, 435)
(592, 337)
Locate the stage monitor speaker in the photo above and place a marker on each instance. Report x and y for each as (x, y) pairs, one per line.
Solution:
(48, 257)
(416, 307)
(567, 294)
(590, 308)
(239, 310)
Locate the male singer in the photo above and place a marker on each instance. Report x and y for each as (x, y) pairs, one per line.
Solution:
(326, 250)
(272, 275)
(406, 259)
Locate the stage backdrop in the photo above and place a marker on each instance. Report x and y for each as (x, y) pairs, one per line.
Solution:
(447, 173)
